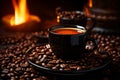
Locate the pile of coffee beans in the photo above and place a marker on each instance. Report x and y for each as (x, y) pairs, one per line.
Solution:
(44, 56)
(13, 64)
(71, 17)
(109, 44)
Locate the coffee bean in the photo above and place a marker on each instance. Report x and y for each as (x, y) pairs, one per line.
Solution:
(56, 67)
(11, 74)
(50, 65)
(18, 69)
(37, 62)
(79, 68)
(5, 71)
(12, 78)
(32, 75)
(63, 65)
(52, 62)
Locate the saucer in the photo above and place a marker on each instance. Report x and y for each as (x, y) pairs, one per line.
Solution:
(40, 65)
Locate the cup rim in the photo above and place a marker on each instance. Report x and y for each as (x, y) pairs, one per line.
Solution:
(66, 26)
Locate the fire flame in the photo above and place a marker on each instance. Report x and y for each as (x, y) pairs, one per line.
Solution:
(86, 11)
(90, 3)
(21, 13)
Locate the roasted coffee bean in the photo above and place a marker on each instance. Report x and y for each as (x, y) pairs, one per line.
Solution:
(53, 62)
(63, 65)
(5, 71)
(37, 62)
(18, 69)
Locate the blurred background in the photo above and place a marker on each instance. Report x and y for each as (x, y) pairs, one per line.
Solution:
(45, 9)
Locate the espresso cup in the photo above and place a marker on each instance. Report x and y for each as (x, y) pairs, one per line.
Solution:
(69, 41)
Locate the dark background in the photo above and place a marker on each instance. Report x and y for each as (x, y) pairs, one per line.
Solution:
(42, 8)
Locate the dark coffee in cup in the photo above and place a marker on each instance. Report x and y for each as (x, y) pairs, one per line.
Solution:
(69, 41)
(68, 31)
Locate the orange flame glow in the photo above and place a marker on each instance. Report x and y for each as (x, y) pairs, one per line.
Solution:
(21, 12)
(90, 3)
(86, 11)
